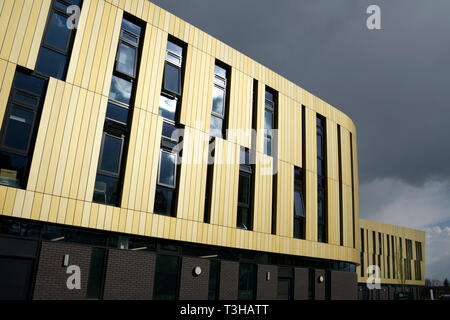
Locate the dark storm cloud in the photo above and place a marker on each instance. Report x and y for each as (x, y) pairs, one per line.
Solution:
(394, 83)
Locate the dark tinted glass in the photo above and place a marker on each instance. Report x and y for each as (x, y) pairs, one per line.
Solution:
(247, 281)
(167, 107)
(242, 218)
(126, 61)
(213, 279)
(172, 77)
(167, 169)
(320, 168)
(51, 63)
(120, 90)
(12, 169)
(298, 204)
(112, 147)
(298, 178)
(26, 99)
(58, 33)
(168, 131)
(117, 113)
(95, 283)
(166, 278)
(218, 101)
(319, 146)
(269, 96)
(244, 189)
(106, 190)
(19, 128)
(29, 83)
(163, 201)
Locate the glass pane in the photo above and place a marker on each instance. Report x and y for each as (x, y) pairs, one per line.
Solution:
(106, 190)
(298, 178)
(167, 169)
(97, 268)
(24, 98)
(117, 113)
(167, 107)
(168, 130)
(112, 148)
(299, 207)
(131, 27)
(319, 146)
(244, 156)
(174, 48)
(242, 218)
(244, 189)
(247, 281)
(176, 60)
(120, 90)
(216, 127)
(12, 169)
(268, 146)
(29, 83)
(268, 121)
(269, 96)
(172, 77)
(218, 100)
(19, 128)
(129, 37)
(320, 169)
(51, 63)
(220, 71)
(166, 278)
(127, 59)
(61, 6)
(58, 34)
(213, 279)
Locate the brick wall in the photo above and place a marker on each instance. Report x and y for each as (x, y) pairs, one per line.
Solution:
(51, 276)
(194, 287)
(129, 275)
(229, 280)
(267, 289)
(344, 285)
(301, 278)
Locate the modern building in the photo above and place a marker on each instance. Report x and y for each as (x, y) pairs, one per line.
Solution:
(399, 253)
(100, 198)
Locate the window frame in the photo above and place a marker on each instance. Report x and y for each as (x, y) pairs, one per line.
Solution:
(109, 173)
(266, 130)
(136, 45)
(177, 66)
(246, 170)
(298, 218)
(158, 182)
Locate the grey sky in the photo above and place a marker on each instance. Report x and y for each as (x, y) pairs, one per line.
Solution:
(394, 83)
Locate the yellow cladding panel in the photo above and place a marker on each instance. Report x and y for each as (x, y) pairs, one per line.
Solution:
(67, 147)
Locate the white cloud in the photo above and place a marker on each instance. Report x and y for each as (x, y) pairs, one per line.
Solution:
(425, 207)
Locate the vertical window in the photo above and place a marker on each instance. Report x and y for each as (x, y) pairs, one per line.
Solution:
(19, 128)
(96, 274)
(245, 191)
(219, 103)
(117, 125)
(209, 185)
(166, 278)
(299, 204)
(169, 102)
(57, 42)
(269, 121)
(247, 281)
(393, 256)
(172, 82)
(362, 253)
(388, 257)
(322, 219)
(341, 209)
(353, 190)
(380, 246)
(214, 276)
(417, 262)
